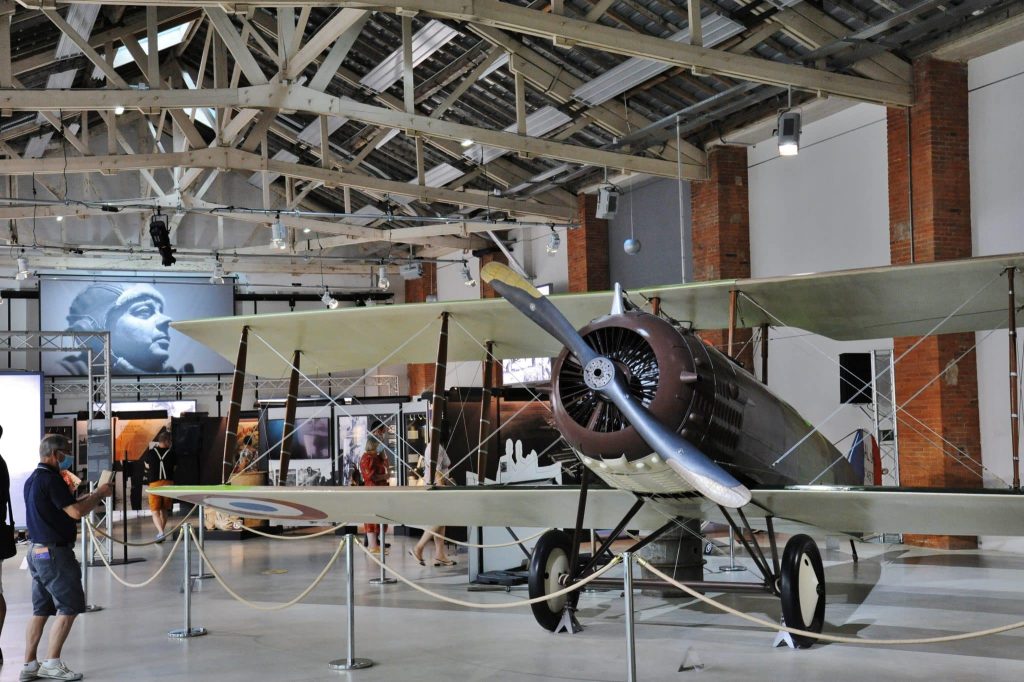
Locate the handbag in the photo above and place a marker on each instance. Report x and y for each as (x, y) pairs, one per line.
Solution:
(8, 547)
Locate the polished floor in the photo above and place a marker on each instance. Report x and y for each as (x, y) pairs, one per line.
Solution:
(893, 592)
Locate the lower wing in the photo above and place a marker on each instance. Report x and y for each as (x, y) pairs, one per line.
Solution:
(837, 509)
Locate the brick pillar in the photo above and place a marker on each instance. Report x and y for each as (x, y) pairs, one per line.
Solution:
(720, 210)
(588, 249)
(421, 375)
(938, 173)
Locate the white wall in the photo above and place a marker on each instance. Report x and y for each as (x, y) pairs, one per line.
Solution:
(824, 209)
(997, 205)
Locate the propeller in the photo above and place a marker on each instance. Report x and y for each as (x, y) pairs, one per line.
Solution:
(601, 375)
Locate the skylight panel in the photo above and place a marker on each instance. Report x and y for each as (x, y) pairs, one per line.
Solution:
(538, 124)
(633, 72)
(425, 42)
(164, 39)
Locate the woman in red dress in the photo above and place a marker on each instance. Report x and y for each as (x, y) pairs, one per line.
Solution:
(375, 470)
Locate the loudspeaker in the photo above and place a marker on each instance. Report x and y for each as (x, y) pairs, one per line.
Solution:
(855, 385)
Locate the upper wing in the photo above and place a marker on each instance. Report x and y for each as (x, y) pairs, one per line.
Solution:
(849, 304)
(843, 510)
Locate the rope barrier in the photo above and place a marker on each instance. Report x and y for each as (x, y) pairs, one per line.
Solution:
(475, 605)
(325, 531)
(124, 582)
(817, 635)
(275, 607)
(142, 544)
(476, 546)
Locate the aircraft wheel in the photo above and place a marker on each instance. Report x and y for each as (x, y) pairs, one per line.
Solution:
(549, 561)
(803, 588)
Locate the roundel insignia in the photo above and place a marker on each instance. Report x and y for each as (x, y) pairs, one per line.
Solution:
(258, 507)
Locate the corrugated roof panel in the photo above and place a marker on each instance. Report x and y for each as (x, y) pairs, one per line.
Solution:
(81, 18)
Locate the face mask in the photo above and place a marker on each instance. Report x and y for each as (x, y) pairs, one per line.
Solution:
(67, 462)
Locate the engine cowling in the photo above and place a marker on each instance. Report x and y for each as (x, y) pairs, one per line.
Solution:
(695, 390)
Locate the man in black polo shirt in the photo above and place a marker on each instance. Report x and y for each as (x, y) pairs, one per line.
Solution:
(51, 513)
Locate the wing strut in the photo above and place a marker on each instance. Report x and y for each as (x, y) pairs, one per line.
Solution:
(235, 408)
(437, 398)
(288, 432)
(1014, 382)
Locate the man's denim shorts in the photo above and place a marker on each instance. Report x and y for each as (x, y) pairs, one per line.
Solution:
(56, 581)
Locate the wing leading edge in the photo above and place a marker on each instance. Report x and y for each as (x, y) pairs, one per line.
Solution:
(867, 303)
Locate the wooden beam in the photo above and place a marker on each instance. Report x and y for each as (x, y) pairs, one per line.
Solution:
(340, 25)
(221, 22)
(235, 159)
(299, 98)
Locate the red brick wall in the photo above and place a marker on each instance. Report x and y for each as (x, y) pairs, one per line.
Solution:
(720, 211)
(940, 227)
(588, 249)
(421, 376)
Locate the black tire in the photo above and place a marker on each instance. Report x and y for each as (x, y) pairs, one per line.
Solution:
(803, 588)
(550, 559)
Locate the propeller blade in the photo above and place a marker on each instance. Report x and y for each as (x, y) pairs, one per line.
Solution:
(683, 457)
(525, 298)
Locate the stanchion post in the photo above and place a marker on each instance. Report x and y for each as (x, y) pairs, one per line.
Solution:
(627, 590)
(86, 557)
(350, 662)
(732, 567)
(202, 574)
(383, 579)
(188, 630)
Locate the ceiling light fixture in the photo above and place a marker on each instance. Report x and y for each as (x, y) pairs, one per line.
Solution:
(554, 241)
(119, 109)
(218, 272)
(467, 142)
(23, 269)
(307, 230)
(161, 239)
(329, 300)
(60, 219)
(278, 234)
(383, 283)
(467, 275)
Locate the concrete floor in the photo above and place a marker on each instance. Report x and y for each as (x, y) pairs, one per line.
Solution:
(894, 592)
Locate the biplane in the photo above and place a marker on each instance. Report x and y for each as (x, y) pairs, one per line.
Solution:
(667, 427)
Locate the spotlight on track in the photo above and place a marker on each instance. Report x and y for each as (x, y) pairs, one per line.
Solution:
(554, 242)
(162, 239)
(218, 272)
(467, 276)
(789, 133)
(329, 300)
(23, 269)
(278, 234)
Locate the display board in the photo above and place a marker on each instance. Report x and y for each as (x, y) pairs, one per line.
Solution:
(137, 314)
(21, 415)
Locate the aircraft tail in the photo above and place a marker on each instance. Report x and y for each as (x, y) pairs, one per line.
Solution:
(861, 450)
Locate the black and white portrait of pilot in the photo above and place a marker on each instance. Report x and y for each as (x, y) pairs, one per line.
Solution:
(138, 316)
